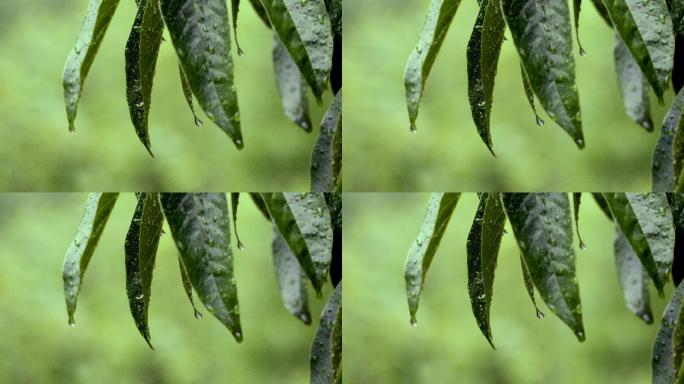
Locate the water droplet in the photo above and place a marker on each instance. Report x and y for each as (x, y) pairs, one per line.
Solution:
(540, 314)
(198, 315)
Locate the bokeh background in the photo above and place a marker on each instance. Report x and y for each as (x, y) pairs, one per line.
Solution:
(105, 346)
(380, 346)
(446, 153)
(39, 154)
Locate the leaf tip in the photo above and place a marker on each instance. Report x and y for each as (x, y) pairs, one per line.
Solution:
(237, 334)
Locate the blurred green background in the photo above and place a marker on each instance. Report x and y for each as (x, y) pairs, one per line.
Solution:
(380, 346)
(39, 154)
(105, 346)
(446, 153)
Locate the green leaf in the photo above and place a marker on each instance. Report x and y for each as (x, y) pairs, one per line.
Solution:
(632, 278)
(201, 36)
(529, 286)
(669, 151)
(326, 157)
(98, 16)
(543, 228)
(541, 33)
(529, 94)
(304, 222)
(676, 8)
(646, 29)
(291, 279)
(292, 87)
(334, 201)
(603, 204)
(483, 51)
(260, 11)
(335, 12)
(601, 9)
(482, 248)
(422, 57)
(646, 221)
(633, 86)
(187, 92)
(142, 49)
(234, 201)
(576, 7)
(200, 227)
(439, 210)
(235, 9)
(140, 248)
(304, 29)
(326, 349)
(98, 208)
(187, 286)
(260, 204)
(663, 347)
(576, 201)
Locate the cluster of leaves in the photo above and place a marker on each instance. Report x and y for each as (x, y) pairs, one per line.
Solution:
(306, 54)
(307, 230)
(649, 51)
(649, 243)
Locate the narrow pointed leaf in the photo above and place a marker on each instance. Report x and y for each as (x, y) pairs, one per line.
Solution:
(663, 346)
(98, 208)
(601, 9)
(292, 87)
(234, 202)
(326, 349)
(187, 93)
(334, 8)
(326, 156)
(543, 228)
(335, 11)
(529, 286)
(482, 248)
(676, 8)
(201, 37)
(529, 94)
(235, 9)
(483, 51)
(304, 29)
(576, 7)
(260, 204)
(646, 29)
(633, 278)
(200, 227)
(422, 57)
(98, 16)
(260, 11)
(603, 204)
(291, 279)
(140, 248)
(439, 210)
(646, 221)
(187, 287)
(633, 86)
(669, 151)
(576, 201)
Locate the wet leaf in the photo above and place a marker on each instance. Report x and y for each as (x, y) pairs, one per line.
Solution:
(676, 8)
(326, 156)
(529, 286)
(663, 348)
(542, 226)
(422, 57)
(200, 227)
(98, 208)
(201, 37)
(439, 210)
(646, 30)
(292, 87)
(669, 151)
(187, 93)
(633, 86)
(646, 221)
(541, 33)
(482, 248)
(140, 248)
(633, 278)
(576, 201)
(234, 202)
(98, 16)
(529, 94)
(291, 279)
(576, 8)
(235, 9)
(326, 349)
(187, 286)
(334, 8)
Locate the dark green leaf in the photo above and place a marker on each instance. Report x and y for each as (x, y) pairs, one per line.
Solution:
(646, 29)
(335, 11)
(98, 16)
(663, 347)
(483, 51)
(201, 36)
(678, 67)
(576, 7)
(543, 228)
(541, 32)
(422, 57)
(603, 204)
(676, 201)
(292, 87)
(80, 251)
(260, 11)
(668, 156)
(646, 221)
(261, 205)
(334, 201)
(632, 278)
(676, 8)
(576, 201)
(326, 157)
(633, 86)
(187, 286)
(529, 94)
(141, 245)
(187, 92)
(482, 248)
(439, 210)
(326, 349)
(601, 9)
(529, 286)
(234, 201)
(200, 227)
(291, 279)
(235, 9)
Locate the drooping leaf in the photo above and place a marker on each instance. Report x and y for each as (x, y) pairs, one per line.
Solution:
(576, 7)
(541, 33)
(483, 51)
(304, 29)
(422, 57)
(663, 347)
(326, 156)
(646, 221)
(234, 202)
(529, 286)
(576, 201)
(292, 87)
(304, 222)
(260, 11)
(187, 286)
(80, 251)
(633, 86)
(439, 210)
(260, 204)
(603, 204)
(291, 279)
(668, 154)
(142, 49)
(98, 16)
(140, 248)
(646, 29)
(633, 279)
(529, 94)
(482, 248)
(187, 92)
(200, 227)
(201, 37)
(601, 9)
(542, 226)
(326, 348)
(235, 9)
